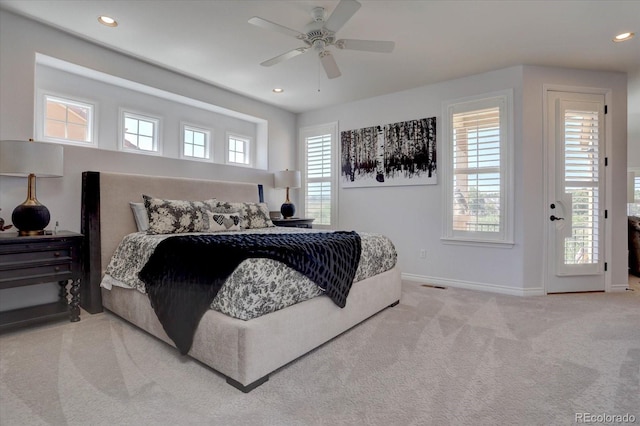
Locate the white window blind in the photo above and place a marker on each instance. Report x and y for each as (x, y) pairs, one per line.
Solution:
(581, 182)
(476, 162)
(477, 170)
(318, 197)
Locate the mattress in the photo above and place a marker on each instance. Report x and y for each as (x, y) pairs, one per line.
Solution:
(258, 286)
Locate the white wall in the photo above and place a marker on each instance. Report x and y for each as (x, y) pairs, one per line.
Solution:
(108, 99)
(21, 39)
(412, 215)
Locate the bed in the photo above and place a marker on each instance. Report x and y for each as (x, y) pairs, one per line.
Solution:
(245, 351)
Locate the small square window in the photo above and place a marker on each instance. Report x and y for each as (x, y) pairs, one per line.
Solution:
(140, 133)
(196, 142)
(67, 120)
(238, 150)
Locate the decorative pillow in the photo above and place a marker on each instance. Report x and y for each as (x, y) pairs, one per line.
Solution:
(176, 216)
(254, 215)
(219, 222)
(140, 216)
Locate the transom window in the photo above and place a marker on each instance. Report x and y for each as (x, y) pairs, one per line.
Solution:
(195, 142)
(478, 181)
(67, 119)
(140, 133)
(238, 149)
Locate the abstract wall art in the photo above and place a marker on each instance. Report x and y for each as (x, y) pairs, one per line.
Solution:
(402, 153)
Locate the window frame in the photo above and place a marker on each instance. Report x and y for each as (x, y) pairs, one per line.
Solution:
(505, 236)
(137, 115)
(41, 122)
(249, 149)
(314, 131)
(208, 142)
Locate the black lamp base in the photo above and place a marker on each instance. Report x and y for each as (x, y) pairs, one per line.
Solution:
(287, 210)
(30, 219)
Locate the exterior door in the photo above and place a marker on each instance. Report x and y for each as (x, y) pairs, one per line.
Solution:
(575, 192)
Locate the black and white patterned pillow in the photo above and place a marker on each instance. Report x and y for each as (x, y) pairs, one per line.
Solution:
(177, 216)
(219, 222)
(254, 215)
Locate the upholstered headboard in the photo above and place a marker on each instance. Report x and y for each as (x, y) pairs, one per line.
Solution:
(107, 216)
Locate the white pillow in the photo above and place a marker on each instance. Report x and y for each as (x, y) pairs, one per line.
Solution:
(254, 215)
(140, 216)
(219, 222)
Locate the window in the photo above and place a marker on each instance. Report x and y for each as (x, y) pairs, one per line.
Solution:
(633, 206)
(238, 150)
(195, 142)
(67, 120)
(140, 133)
(319, 178)
(478, 170)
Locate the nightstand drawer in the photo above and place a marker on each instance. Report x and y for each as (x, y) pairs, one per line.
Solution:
(12, 275)
(55, 254)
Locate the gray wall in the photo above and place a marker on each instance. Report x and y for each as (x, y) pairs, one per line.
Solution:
(21, 39)
(412, 215)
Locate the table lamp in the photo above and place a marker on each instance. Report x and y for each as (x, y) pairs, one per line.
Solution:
(30, 159)
(287, 179)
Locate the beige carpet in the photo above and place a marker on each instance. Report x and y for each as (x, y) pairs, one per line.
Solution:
(441, 357)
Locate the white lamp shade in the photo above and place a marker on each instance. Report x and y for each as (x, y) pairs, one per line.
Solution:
(21, 158)
(287, 179)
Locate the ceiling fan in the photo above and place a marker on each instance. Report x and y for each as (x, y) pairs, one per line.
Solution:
(321, 33)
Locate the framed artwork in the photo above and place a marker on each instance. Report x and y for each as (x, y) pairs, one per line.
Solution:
(402, 153)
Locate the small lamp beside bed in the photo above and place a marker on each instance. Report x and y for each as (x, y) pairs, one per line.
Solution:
(287, 179)
(30, 159)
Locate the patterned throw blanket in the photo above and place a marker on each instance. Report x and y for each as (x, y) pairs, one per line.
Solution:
(184, 273)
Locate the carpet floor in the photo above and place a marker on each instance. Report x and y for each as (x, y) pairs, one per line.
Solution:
(441, 357)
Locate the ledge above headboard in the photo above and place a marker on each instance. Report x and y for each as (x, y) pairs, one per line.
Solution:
(107, 216)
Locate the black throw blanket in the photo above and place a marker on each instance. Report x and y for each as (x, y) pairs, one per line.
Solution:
(185, 273)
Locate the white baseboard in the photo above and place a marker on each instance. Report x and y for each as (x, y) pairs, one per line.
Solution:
(469, 285)
(619, 288)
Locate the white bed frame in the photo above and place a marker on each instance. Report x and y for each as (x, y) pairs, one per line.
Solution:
(246, 352)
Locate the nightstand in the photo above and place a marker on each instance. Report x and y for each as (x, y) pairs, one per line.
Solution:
(41, 259)
(294, 222)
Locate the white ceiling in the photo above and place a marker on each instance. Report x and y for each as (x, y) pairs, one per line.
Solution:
(435, 41)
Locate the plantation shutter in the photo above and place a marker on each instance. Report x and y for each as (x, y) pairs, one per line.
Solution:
(477, 200)
(319, 180)
(581, 184)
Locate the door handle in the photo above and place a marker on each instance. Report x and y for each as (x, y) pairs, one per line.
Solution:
(552, 218)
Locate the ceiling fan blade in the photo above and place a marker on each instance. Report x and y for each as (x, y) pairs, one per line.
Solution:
(281, 58)
(341, 14)
(366, 45)
(268, 25)
(329, 64)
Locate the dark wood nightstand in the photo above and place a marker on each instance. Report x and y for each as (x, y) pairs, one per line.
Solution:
(41, 259)
(294, 222)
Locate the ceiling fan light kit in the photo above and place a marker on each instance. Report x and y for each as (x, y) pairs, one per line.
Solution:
(321, 34)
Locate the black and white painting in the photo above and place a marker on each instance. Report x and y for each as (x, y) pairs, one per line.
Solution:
(401, 153)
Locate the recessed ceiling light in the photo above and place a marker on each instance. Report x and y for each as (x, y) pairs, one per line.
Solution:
(107, 20)
(623, 37)
(278, 90)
